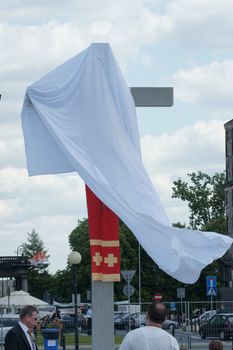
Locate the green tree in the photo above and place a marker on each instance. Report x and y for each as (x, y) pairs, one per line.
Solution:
(205, 197)
(79, 241)
(38, 276)
(39, 283)
(33, 245)
(152, 278)
(61, 286)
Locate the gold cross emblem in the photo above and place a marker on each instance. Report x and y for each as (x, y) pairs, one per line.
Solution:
(110, 260)
(97, 258)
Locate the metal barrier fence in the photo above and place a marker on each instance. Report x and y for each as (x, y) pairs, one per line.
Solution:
(193, 324)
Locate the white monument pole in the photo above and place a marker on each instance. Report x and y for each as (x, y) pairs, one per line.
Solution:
(103, 292)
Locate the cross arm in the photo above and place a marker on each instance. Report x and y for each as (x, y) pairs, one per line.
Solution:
(152, 96)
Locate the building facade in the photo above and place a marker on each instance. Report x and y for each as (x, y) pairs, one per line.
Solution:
(229, 175)
(228, 257)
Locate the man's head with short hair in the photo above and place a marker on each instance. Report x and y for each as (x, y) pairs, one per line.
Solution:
(27, 311)
(28, 316)
(215, 345)
(157, 313)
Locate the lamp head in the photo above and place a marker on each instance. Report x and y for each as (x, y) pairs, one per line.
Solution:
(75, 258)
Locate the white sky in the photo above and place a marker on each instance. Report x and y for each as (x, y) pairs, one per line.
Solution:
(186, 44)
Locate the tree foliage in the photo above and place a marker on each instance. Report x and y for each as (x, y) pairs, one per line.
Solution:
(205, 197)
(152, 278)
(38, 276)
(206, 201)
(33, 245)
(39, 283)
(79, 241)
(60, 288)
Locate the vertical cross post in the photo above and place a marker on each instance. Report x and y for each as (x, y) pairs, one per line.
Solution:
(103, 292)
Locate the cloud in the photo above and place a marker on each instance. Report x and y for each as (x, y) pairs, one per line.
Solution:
(52, 204)
(53, 230)
(202, 24)
(32, 197)
(11, 146)
(197, 147)
(183, 147)
(210, 84)
(56, 38)
(35, 37)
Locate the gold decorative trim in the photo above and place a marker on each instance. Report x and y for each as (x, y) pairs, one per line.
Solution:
(106, 278)
(105, 243)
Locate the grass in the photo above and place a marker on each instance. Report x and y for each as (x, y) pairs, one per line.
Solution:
(83, 339)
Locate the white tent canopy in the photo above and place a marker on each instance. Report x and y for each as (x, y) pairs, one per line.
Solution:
(21, 298)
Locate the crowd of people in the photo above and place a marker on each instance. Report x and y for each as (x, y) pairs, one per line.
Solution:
(150, 337)
(50, 322)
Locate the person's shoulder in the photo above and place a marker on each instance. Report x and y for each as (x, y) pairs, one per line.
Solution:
(161, 333)
(142, 333)
(135, 331)
(132, 336)
(14, 329)
(141, 330)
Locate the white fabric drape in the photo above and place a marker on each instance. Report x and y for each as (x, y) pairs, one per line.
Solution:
(81, 117)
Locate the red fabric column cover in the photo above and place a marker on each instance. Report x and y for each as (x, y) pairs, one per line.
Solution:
(104, 240)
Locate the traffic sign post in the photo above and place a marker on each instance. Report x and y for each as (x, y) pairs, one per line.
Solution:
(211, 288)
(128, 275)
(158, 297)
(181, 295)
(128, 289)
(173, 306)
(211, 285)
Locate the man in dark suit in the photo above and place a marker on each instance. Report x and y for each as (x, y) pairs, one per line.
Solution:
(20, 337)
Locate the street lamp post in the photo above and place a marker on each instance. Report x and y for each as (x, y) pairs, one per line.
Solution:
(75, 259)
(20, 250)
